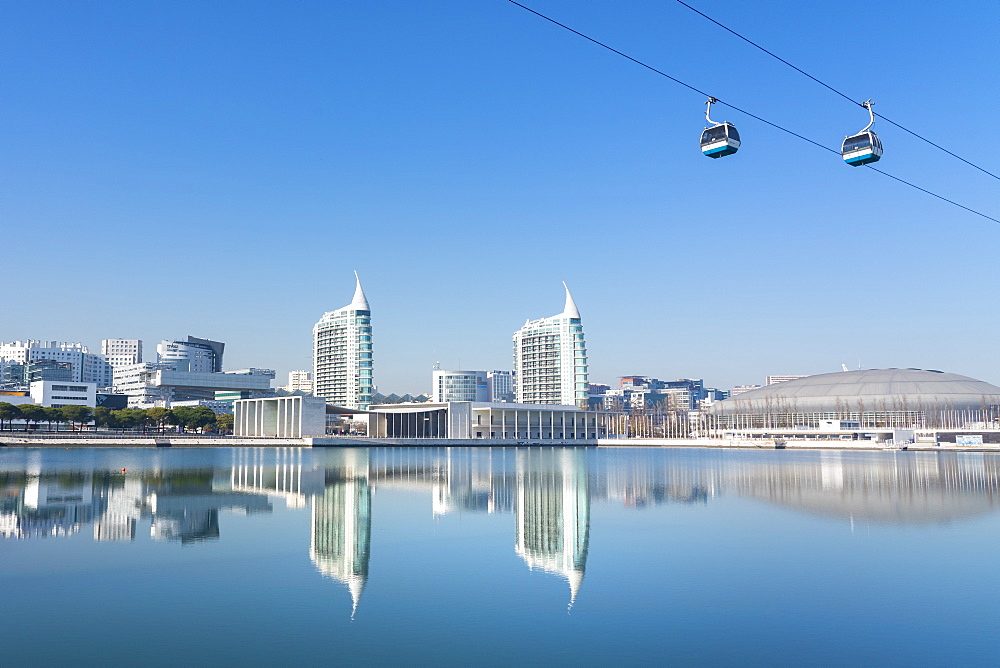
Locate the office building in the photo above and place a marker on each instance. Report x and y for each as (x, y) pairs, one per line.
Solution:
(458, 386)
(641, 393)
(160, 384)
(300, 381)
(740, 389)
(500, 386)
(48, 370)
(550, 359)
(12, 374)
(86, 367)
(121, 352)
(342, 354)
(56, 394)
(194, 355)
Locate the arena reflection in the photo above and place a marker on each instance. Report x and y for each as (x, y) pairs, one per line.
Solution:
(549, 492)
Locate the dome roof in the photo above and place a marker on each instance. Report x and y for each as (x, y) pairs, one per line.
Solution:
(877, 389)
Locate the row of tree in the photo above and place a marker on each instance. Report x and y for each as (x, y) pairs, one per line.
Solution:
(77, 417)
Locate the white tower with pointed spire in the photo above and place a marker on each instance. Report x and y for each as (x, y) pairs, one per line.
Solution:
(342, 353)
(550, 359)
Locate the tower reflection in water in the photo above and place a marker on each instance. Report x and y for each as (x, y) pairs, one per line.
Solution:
(340, 540)
(552, 513)
(549, 491)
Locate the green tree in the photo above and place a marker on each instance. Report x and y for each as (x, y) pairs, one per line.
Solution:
(102, 416)
(204, 417)
(129, 418)
(53, 415)
(182, 415)
(157, 415)
(31, 413)
(197, 417)
(8, 412)
(78, 415)
(124, 418)
(224, 423)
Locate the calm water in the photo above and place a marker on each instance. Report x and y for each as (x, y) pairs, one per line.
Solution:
(498, 556)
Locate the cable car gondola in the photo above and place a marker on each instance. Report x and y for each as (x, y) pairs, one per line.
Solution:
(720, 139)
(864, 147)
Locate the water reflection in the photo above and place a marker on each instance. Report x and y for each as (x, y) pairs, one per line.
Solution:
(58, 501)
(548, 491)
(552, 513)
(340, 540)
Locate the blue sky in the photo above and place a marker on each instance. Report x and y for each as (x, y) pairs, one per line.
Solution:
(220, 169)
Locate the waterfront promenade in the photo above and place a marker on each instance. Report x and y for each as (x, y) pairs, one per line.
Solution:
(71, 440)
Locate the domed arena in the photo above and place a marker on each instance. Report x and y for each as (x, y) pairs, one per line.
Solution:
(910, 398)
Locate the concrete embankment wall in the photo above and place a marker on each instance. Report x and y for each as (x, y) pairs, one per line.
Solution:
(166, 441)
(147, 442)
(346, 442)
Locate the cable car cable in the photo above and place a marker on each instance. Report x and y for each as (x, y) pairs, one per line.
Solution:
(832, 89)
(932, 194)
(743, 111)
(664, 74)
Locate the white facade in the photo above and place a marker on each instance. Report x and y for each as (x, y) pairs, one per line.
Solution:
(194, 355)
(135, 380)
(459, 386)
(158, 384)
(496, 421)
(300, 381)
(550, 359)
(280, 417)
(86, 367)
(55, 394)
(774, 380)
(740, 389)
(121, 352)
(342, 354)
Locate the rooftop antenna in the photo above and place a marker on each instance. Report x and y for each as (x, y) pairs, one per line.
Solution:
(437, 366)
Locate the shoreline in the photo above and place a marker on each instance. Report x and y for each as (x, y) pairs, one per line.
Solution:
(174, 441)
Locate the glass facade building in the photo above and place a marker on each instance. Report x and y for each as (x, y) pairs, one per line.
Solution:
(550, 359)
(342, 354)
(459, 386)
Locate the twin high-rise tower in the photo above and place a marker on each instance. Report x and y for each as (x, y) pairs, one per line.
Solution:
(550, 357)
(342, 354)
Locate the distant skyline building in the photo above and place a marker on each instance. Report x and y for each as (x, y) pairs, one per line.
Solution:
(641, 392)
(47, 370)
(342, 354)
(86, 367)
(740, 389)
(120, 352)
(160, 384)
(458, 386)
(500, 386)
(550, 359)
(300, 381)
(194, 355)
(774, 380)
